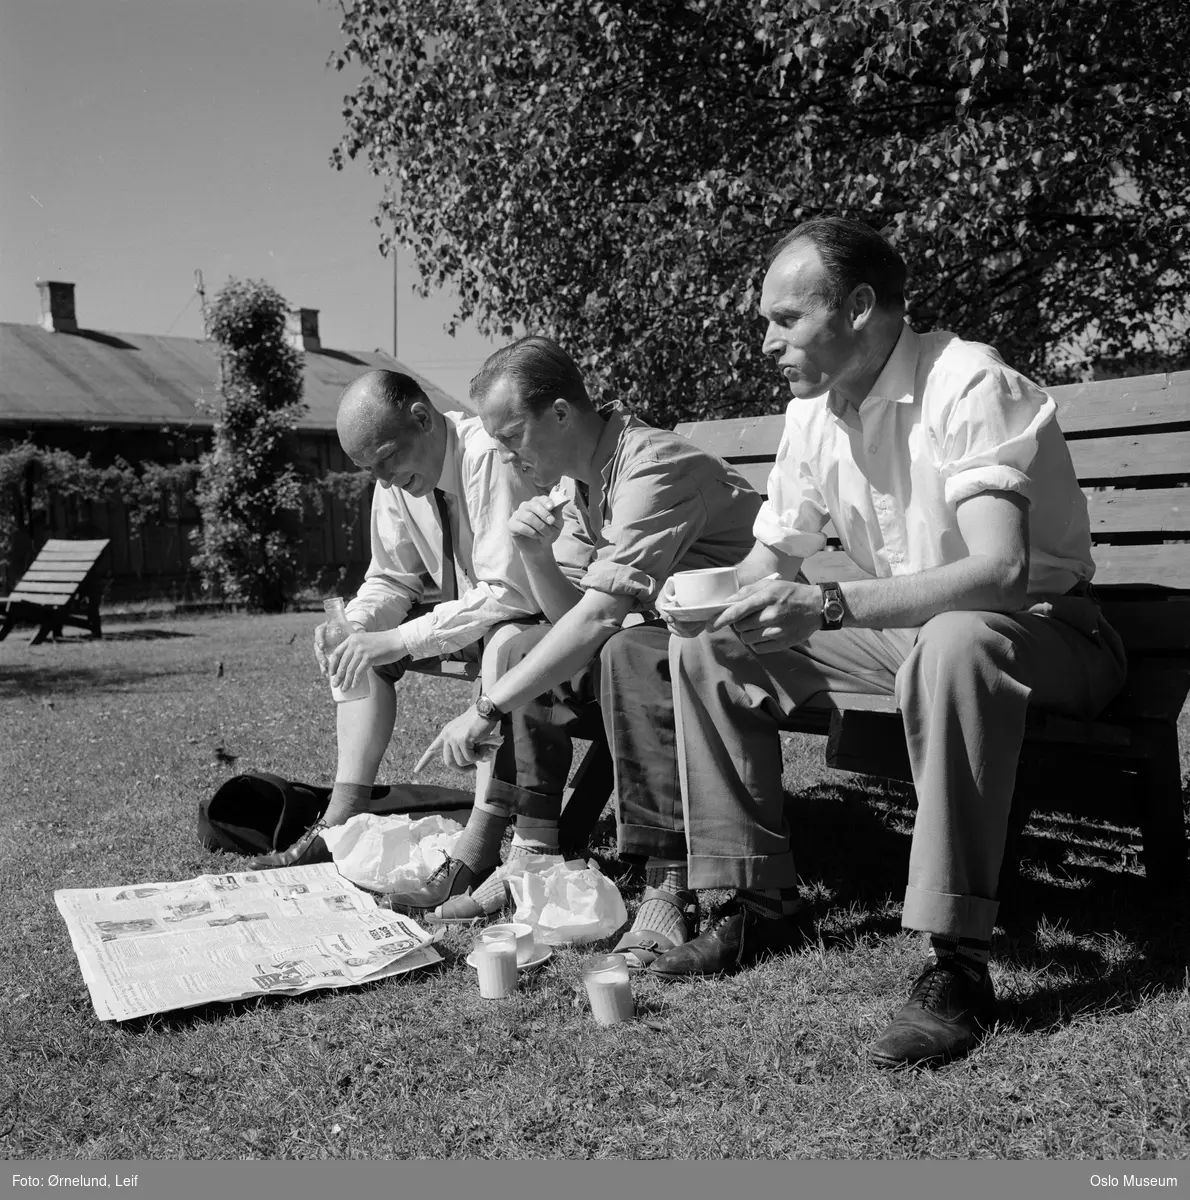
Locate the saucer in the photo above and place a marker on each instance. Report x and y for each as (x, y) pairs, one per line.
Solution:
(693, 612)
(541, 955)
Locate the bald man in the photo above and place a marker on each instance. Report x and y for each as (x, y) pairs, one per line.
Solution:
(428, 465)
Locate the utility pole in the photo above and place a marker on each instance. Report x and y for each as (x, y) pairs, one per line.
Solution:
(202, 299)
(396, 308)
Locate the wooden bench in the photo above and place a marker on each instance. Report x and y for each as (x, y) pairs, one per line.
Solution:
(61, 587)
(1130, 442)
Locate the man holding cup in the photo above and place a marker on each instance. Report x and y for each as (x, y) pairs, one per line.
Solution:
(948, 481)
(645, 503)
(441, 508)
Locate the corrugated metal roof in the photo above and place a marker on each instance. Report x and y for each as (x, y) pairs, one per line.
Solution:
(132, 379)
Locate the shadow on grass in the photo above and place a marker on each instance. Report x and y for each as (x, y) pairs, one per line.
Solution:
(1078, 890)
(143, 635)
(38, 679)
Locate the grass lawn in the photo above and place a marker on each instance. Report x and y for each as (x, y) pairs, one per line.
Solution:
(105, 749)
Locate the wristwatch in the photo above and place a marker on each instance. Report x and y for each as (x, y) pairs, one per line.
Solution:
(488, 710)
(832, 606)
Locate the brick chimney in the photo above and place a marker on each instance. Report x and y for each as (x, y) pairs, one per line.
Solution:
(301, 329)
(57, 307)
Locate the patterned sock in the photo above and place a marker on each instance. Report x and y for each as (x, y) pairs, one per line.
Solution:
(531, 835)
(655, 914)
(492, 895)
(348, 800)
(479, 843)
(968, 954)
(771, 903)
(668, 874)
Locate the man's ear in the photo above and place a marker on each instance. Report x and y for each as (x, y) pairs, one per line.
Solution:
(563, 411)
(421, 412)
(862, 303)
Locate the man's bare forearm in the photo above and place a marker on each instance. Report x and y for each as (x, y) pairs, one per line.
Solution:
(553, 591)
(574, 640)
(977, 583)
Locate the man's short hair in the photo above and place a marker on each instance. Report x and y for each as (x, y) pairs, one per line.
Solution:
(853, 253)
(541, 371)
(398, 390)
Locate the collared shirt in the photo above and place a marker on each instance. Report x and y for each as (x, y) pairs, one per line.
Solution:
(658, 505)
(946, 420)
(406, 535)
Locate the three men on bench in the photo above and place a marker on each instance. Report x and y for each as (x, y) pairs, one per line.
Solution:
(947, 479)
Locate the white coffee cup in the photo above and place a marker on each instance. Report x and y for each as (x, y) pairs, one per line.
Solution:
(710, 586)
(523, 934)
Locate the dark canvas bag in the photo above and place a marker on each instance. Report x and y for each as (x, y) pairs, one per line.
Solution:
(258, 812)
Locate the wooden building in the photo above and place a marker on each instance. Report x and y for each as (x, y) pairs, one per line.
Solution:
(133, 396)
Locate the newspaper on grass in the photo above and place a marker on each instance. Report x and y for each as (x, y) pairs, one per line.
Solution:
(155, 947)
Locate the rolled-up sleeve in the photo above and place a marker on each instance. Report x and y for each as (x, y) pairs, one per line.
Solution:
(658, 512)
(500, 590)
(575, 547)
(393, 583)
(791, 520)
(986, 435)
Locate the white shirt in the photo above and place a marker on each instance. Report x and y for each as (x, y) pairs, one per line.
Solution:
(406, 534)
(946, 420)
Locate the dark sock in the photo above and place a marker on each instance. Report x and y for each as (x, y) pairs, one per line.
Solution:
(968, 954)
(771, 903)
(479, 843)
(348, 800)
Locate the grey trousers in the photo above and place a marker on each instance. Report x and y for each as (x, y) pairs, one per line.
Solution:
(963, 683)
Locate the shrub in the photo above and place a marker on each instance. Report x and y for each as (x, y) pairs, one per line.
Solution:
(250, 492)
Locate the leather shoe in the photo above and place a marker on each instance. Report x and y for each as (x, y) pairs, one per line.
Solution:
(946, 1016)
(452, 878)
(734, 936)
(309, 848)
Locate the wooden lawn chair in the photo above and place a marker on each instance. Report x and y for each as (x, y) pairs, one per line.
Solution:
(61, 587)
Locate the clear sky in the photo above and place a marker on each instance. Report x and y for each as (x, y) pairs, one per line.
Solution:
(141, 140)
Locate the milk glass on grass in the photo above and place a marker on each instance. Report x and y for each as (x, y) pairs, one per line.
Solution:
(608, 989)
(495, 963)
(338, 630)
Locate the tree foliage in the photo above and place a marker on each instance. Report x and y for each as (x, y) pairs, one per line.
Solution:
(611, 173)
(250, 491)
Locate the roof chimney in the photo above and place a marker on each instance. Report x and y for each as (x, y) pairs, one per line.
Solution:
(57, 307)
(301, 329)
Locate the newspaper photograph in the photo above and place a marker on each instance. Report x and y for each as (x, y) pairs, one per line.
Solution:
(154, 947)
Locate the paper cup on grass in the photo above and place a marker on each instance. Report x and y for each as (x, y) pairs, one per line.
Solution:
(495, 964)
(525, 948)
(608, 988)
(693, 589)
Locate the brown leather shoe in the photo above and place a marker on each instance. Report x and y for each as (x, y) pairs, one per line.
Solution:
(452, 878)
(733, 937)
(946, 1016)
(309, 848)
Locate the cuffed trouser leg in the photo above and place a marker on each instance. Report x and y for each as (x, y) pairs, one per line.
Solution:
(637, 703)
(963, 692)
(532, 764)
(730, 704)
